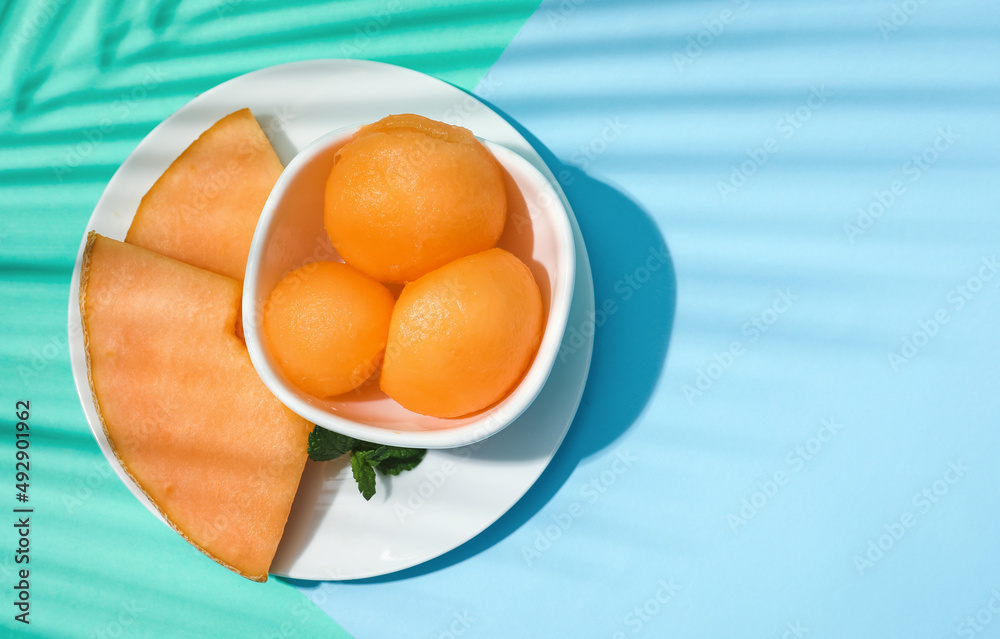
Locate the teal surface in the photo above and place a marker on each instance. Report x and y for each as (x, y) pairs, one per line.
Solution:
(80, 84)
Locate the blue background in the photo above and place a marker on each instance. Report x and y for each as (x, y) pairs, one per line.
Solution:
(698, 493)
(827, 171)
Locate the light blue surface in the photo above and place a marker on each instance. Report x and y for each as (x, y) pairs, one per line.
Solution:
(640, 525)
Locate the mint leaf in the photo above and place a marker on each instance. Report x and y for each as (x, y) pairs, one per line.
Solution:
(325, 445)
(401, 459)
(363, 445)
(366, 457)
(379, 454)
(364, 473)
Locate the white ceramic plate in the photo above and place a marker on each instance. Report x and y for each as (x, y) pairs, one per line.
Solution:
(332, 532)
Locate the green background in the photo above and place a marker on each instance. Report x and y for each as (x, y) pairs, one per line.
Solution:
(81, 84)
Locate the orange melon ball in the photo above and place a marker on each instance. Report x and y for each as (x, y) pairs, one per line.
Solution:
(408, 194)
(463, 335)
(326, 325)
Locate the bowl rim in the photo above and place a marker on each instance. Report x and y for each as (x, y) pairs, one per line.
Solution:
(493, 419)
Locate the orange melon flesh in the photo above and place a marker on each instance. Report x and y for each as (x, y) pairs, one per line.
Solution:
(186, 414)
(463, 335)
(409, 194)
(204, 208)
(326, 324)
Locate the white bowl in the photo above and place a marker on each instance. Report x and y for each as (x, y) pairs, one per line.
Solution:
(290, 234)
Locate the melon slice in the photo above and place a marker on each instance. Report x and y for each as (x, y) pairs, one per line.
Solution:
(186, 414)
(204, 208)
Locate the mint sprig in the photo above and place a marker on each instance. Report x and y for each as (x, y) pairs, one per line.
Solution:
(325, 445)
(366, 457)
(398, 460)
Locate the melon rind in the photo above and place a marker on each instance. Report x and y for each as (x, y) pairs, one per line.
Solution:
(165, 336)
